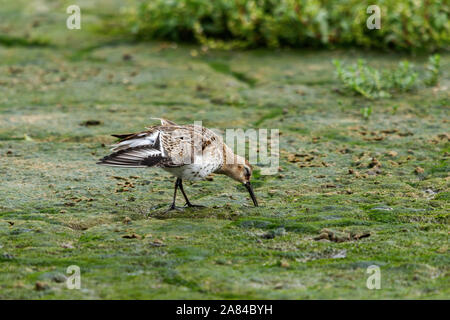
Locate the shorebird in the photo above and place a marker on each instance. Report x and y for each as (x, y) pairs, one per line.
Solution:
(188, 152)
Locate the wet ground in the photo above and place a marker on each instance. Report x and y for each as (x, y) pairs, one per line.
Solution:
(379, 187)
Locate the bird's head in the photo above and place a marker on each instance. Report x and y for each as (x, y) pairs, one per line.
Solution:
(241, 171)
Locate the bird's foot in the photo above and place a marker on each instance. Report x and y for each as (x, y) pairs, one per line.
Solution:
(173, 207)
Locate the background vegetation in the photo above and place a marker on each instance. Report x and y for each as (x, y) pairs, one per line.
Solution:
(372, 83)
(406, 24)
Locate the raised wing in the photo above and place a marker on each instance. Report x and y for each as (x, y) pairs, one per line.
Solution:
(136, 151)
(163, 146)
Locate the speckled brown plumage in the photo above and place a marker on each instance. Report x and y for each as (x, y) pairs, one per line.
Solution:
(189, 152)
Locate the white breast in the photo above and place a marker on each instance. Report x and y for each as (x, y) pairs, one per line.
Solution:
(198, 170)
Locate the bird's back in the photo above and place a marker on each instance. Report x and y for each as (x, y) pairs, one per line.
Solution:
(169, 146)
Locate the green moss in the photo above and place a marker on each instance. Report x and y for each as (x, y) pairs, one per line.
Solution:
(57, 208)
(11, 41)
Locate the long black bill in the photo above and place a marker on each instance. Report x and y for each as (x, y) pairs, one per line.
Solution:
(252, 194)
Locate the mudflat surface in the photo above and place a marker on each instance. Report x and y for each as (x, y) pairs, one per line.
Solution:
(64, 92)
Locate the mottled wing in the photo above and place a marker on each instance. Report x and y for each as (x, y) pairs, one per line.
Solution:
(183, 144)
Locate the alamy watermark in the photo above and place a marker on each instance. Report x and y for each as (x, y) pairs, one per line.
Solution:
(374, 21)
(374, 280)
(74, 20)
(74, 279)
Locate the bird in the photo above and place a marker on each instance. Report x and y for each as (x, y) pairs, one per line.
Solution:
(188, 152)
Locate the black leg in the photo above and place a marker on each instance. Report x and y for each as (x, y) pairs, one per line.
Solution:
(188, 203)
(184, 194)
(177, 185)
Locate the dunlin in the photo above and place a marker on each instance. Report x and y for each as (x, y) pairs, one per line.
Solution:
(189, 152)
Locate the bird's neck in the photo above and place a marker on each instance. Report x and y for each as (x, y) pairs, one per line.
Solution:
(229, 159)
(231, 162)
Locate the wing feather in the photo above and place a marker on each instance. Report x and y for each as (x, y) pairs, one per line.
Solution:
(168, 145)
(141, 150)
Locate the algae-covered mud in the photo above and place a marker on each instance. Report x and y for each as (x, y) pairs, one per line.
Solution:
(353, 189)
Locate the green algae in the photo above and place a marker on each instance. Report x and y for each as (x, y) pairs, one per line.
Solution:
(57, 208)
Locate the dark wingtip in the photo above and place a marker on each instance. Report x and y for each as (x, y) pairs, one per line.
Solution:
(122, 136)
(102, 160)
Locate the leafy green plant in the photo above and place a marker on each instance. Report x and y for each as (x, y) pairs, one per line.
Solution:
(405, 24)
(370, 83)
(433, 68)
(394, 109)
(403, 78)
(361, 78)
(366, 112)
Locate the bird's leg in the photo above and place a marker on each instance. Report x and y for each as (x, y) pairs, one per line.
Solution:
(177, 184)
(188, 203)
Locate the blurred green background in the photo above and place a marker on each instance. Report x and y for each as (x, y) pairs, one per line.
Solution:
(406, 24)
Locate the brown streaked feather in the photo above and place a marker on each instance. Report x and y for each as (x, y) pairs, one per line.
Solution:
(122, 136)
(177, 140)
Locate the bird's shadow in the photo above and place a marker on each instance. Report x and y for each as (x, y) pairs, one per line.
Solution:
(223, 212)
(182, 212)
